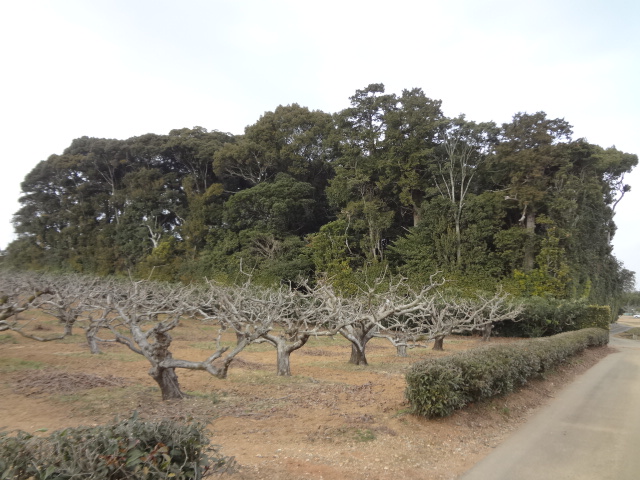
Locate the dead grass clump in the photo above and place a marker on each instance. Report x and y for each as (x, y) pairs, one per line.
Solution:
(49, 382)
(246, 365)
(317, 352)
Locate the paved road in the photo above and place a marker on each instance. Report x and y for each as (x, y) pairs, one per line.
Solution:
(591, 431)
(616, 328)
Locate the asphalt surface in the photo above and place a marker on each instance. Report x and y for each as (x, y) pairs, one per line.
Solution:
(591, 430)
(616, 328)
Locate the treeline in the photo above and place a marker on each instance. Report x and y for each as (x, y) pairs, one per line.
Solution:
(388, 182)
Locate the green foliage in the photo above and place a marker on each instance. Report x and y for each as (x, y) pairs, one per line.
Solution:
(435, 388)
(550, 278)
(596, 316)
(389, 180)
(160, 264)
(284, 205)
(549, 316)
(631, 301)
(129, 449)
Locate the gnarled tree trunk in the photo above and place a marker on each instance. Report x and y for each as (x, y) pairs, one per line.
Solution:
(284, 361)
(358, 355)
(359, 335)
(167, 380)
(438, 344)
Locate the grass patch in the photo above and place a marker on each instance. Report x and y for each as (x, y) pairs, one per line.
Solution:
(320, 341)
(6, 338)
(8, 365)
(364, 435)
(213, 397)
(211, 346)
(259, 347)
(74, 339)
(269, 377)
(106, 400)
(115, 356)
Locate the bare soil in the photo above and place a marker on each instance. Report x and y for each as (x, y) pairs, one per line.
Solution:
(330, 420)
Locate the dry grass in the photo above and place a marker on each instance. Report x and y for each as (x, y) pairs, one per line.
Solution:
(330, 420)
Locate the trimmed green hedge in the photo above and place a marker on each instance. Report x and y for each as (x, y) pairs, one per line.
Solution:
(435, 388)
(129, 450)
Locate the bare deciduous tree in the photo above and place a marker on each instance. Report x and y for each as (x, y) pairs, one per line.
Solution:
(18, 293)
(443, 315)
(362, 317)
(403, 332)
(301, 315)
(66, 297)
(143, 315)
(243, 309)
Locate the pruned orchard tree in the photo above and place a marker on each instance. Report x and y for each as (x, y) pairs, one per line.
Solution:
(144, 313)
(361, 317)
(444, 315)
(66, 297)
(300, 316)
(403, 332)
(18, 293)
(285, 318)
(243, 309)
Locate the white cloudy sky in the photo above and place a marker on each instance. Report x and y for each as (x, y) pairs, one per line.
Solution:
(120, 68)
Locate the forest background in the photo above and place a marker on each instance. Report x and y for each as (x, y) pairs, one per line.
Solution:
(389, 183)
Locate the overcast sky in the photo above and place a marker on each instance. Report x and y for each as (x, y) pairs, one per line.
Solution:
(122, 68)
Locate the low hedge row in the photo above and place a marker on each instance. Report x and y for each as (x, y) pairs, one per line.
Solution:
(132, 449)
(435, 388)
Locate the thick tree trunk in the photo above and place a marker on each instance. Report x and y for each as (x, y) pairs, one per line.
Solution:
(358, 335)
(167, 380)
(358, 356)
(401, 350)
(68, 328)
(438, 344)
(284, 361)
(93, 345)
(90, 335)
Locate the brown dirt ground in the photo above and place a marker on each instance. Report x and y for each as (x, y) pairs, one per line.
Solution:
(330, 420)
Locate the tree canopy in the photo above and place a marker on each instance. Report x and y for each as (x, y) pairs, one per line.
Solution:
(388, 182)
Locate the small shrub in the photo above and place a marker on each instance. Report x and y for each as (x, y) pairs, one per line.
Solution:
(128, 450)
(437, 387)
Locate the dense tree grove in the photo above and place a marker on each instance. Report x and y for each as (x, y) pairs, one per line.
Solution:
(387, 183)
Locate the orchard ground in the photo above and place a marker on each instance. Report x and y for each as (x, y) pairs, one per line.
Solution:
(330, 420)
